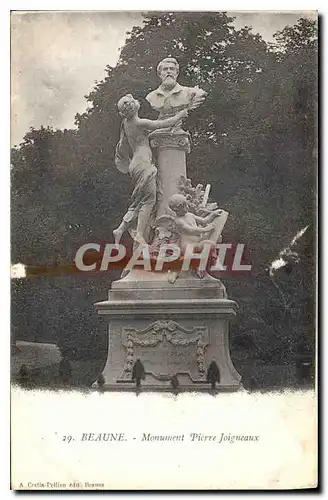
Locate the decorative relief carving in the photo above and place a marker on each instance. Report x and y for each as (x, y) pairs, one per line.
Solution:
(157, 332)
(171, 141)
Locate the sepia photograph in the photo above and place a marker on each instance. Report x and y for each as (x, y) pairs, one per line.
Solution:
(164, 172)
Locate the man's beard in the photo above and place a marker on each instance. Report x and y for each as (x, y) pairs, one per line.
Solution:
(169, 80)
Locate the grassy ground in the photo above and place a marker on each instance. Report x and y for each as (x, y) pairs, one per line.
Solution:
(256, 376)
(84, 373)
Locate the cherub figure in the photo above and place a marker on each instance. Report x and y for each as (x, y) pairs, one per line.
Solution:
(133, 155)
(195, 229)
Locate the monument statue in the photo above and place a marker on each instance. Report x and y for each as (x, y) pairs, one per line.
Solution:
(173, 322)
(133, 155)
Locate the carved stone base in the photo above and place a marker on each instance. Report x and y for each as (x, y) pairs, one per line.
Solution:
(176, 330)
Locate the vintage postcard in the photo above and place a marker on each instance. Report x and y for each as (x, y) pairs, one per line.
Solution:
(164, 250)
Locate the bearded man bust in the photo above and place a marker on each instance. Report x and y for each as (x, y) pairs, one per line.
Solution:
(171, 97)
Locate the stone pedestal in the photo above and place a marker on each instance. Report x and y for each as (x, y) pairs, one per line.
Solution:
(170, 149)
(174, 329)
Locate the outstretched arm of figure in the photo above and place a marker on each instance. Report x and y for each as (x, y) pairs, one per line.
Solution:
(167, 122)
(184, 227)
(209, 218)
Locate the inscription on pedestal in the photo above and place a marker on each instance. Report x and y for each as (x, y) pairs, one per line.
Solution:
(166, 348)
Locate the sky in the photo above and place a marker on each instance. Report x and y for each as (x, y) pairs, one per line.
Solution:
(56, 58)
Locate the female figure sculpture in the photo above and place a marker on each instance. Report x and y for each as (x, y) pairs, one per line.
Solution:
(133, 155)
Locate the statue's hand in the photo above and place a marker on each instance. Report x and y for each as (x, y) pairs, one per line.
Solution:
(217, 213)
(179, 116)
(197, 97)
(182, 114)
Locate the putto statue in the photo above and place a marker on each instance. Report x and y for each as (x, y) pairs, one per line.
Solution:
(171, 97)
(133, 155)
(195, 229)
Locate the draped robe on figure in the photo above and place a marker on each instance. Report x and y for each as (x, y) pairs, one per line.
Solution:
(142, 171)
